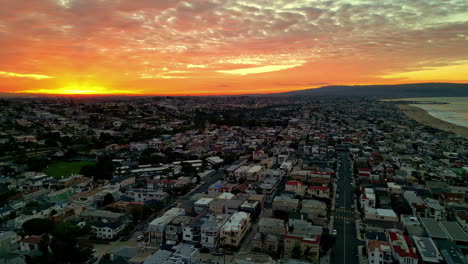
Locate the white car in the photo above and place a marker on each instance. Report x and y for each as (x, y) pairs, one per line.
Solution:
(334, 232)
(139, 238)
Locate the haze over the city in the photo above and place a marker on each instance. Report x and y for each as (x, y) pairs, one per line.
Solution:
(172, 47)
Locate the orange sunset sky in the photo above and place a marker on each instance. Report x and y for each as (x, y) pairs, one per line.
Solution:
(200, 47)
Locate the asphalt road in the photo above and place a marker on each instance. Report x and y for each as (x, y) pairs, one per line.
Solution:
(345, 249)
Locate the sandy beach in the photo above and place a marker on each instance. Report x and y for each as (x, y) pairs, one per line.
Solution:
(423, 117)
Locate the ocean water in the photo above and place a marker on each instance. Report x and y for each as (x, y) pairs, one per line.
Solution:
(453, 110)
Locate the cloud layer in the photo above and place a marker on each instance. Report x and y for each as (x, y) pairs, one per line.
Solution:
(164, 46)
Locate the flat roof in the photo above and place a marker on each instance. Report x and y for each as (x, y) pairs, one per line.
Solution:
(450, 253)
(454, 230)
(427, 249)
(433, 228)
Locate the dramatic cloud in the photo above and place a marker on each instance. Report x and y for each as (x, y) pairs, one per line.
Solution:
(198, 46)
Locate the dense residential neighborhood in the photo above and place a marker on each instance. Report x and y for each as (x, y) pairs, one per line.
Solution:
(228, 180)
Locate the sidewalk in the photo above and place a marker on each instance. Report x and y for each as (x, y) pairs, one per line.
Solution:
(362, 258)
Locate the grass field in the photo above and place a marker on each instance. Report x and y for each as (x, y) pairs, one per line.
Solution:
(61, 168)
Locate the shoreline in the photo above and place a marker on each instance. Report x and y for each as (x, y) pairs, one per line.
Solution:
(422, 116)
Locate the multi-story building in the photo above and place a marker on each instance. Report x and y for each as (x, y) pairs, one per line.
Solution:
(144, 195)
(234, 230)
(367, 198)
(427, 250)
(318, 191)
(107, 230)
(379, 252)
(157, 227)
(210, 230)
(314, 208)
(251, 207)
(285, 203)
(202, 204)
(402, 250)
(218, 207)
(192, 231)
(380, 214)
(435, 209)
(308, 245)
(296, 187)
(271, 226)
(174, 230)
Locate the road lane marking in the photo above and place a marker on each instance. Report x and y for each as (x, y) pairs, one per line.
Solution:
(344, 243)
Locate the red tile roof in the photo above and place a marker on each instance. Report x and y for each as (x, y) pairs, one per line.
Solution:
(322, 188)
(32, 239)
(294, 183)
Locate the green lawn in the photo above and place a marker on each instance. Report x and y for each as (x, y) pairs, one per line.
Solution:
(59, 169)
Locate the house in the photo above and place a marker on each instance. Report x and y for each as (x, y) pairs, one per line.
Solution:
(101, 215)
(367, 198)
(454, 231)
(107, 230)
(309, 244)
(145, 195)
(234, 205)
(296, 187)
(402, 250)
(234, 230)
(314, 208)
(417, 204)
(184, 254)
(174, 230)
(8, 242)
(435, 209)
(318, 191)
(157, 227)
(218, 207)
(30, 243)
(268, 225)
(378, 252)
(394, 188)
(266, 242)
(253, 173)
(202, 204)
(192, 232)
(210, 230)
(380, 214)
(433, 228)
(285, 203)
(462, 219)
(427, 250)
(252, 207)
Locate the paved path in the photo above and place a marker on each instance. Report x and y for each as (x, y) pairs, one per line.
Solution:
(345, 249)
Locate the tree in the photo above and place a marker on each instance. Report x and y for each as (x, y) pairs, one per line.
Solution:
(326, 242)
(44, 248)
(37, 164)
(296, 251)
(38, 226)
(88, 170)
(108, 199)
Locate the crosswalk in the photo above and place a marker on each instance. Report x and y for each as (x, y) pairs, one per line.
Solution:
(343, 210)
(345, 218)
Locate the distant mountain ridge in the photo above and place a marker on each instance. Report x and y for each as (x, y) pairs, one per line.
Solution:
(397, 90)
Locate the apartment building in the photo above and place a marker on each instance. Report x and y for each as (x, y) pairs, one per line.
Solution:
(234, 230)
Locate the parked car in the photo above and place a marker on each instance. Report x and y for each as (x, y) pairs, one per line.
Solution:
(139, 238)
(334, 232)
(217, 253)
(125, 238)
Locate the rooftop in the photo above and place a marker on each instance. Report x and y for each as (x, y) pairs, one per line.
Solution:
(433, 228)
(427, 249)
(454, 231)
